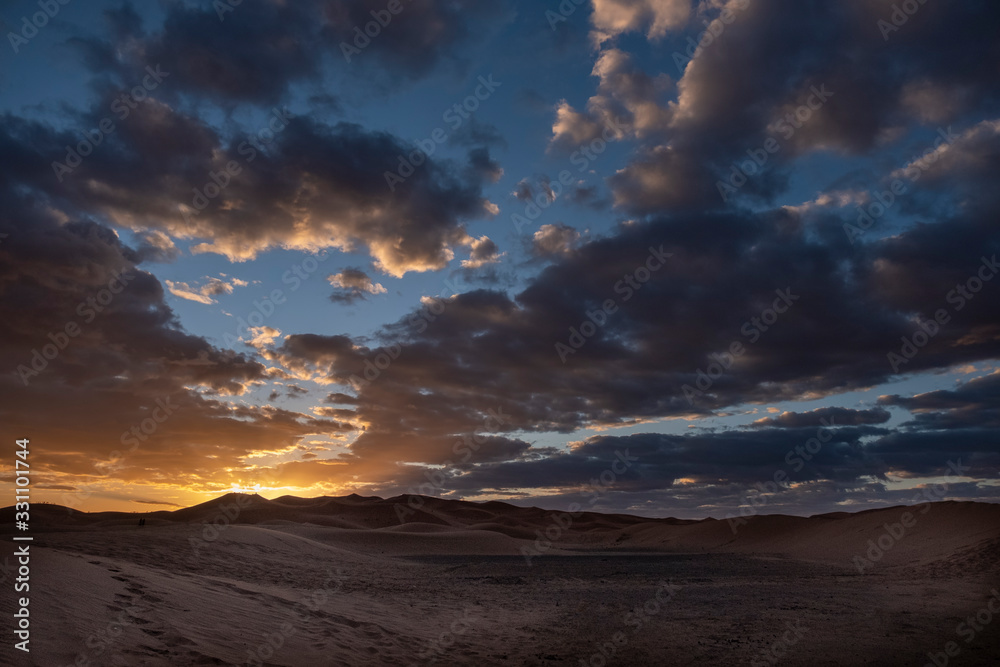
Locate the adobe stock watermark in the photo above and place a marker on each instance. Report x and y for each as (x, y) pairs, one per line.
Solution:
(466, 447)
(226, 516)
(445, 640)
(712, 32)
(636, 618)
(30, 27)
(929, 328)
(362, 39)
(374, 365)
(629, 284)
(430, 309)
(894, 532)
(796, 459)
(566, 9)
(223, 7)
(264, 308)
(228, 513)
(104, 639)
(143, 430)
(884, 200)
(967, 630)
(455, 116)
(773, 654)
(740, 172)
(302, 612)
(88, 309)
(218, 181)
(751, 329)
(581, 158)
(899, 16)
(136, 434)
(563, 521)
(122, 107)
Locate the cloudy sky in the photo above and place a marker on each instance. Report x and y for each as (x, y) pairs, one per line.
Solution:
(645, 255)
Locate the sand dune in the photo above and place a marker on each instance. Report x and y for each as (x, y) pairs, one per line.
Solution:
(370, 581)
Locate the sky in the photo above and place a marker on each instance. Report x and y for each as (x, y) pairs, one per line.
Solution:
(664, 257)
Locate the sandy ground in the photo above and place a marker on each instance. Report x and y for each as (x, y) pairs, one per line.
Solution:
(616, 591)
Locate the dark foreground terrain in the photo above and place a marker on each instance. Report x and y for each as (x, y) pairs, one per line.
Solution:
(615, 591)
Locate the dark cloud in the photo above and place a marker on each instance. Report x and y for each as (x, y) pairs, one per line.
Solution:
(329, 104)
(769, 62)
(353, 285)
(717, 473)
(534, 189)
(974, 404)
(422, 37)
(692, 306)
(482, 167)
(933, 453)
(88, 336)
(827, 417)
(658, 461)
(587, 196)
(523, 191)
(248, 53)
(314, 186)
(475, 133)
(254, 51)
(833, 337)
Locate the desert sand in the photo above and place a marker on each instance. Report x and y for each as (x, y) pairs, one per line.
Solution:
(242, 580)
